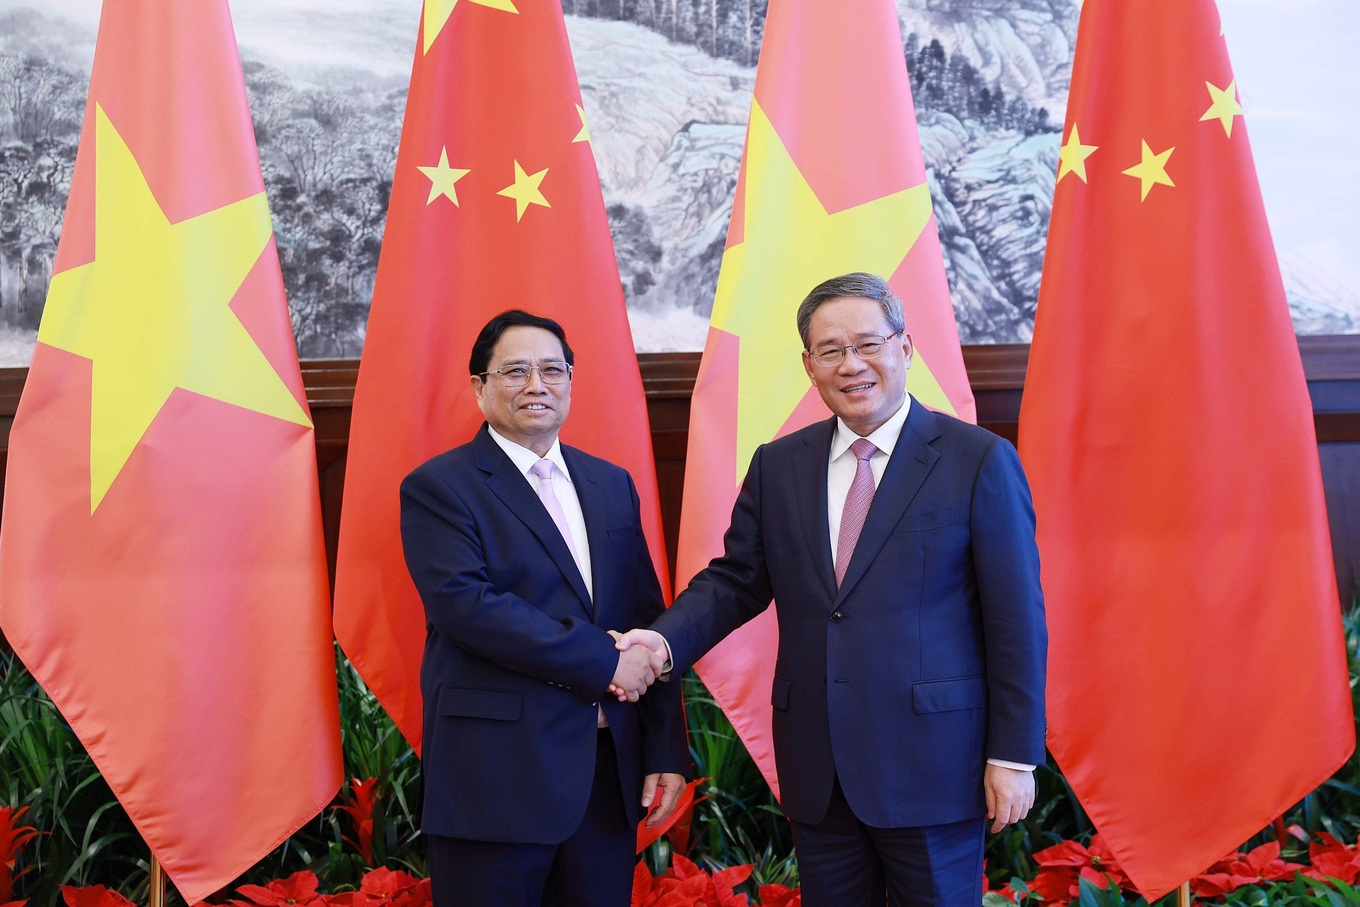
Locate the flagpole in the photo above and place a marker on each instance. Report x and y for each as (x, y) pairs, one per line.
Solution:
(1182, 896)
(156, 895)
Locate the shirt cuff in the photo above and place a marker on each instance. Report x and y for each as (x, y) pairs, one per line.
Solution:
(670, 662)
(1018, 766)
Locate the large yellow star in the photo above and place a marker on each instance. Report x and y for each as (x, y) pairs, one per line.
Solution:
(437, 13)
(1224, 106)
(524, 190)
(790, 244)
(152, 310)
(1072, 156)
(443, 178)
(1151, 170)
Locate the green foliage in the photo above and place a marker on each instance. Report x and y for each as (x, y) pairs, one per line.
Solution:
(739, 820)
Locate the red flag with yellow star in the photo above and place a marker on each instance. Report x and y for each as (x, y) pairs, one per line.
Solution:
(832, 181)
(1197, 676)
(162, 571)
(496, 204)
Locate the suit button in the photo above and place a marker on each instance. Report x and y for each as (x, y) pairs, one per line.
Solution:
(836, 617)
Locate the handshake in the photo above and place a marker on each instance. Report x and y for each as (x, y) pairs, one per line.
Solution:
(643, 656)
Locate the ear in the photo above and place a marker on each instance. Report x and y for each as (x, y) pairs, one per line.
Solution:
(807, 366)
(907, 347)
(478, 386)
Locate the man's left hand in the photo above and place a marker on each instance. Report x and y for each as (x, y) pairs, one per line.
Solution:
(1010, 794)
(670, 785)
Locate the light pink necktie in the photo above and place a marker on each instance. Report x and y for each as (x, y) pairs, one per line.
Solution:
(857, 503)
(543, 471)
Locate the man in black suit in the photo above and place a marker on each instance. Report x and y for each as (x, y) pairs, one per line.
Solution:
(898, 546)
(526, 552)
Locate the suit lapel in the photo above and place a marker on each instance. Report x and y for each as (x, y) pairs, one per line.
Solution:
(591, 496)
(809, 478)
(911, 461)
(519, 497)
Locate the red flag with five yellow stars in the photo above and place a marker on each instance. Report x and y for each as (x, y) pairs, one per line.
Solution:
(162, 571)
(496, 204)
(1197, 676)
(832, 181)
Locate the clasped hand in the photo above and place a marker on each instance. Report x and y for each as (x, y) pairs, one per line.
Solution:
(642, 659)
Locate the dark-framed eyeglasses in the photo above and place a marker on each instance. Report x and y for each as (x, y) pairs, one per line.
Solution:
(866, 348)
(518, 375)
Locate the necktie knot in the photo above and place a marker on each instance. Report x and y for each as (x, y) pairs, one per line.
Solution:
(862, 448)
(542, 469)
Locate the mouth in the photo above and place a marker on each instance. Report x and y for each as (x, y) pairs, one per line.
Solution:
(535, 407)
(857, 388)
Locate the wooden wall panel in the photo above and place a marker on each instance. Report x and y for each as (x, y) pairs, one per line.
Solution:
(997, 374)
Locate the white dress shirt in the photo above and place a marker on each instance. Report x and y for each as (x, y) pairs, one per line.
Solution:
(524, 460)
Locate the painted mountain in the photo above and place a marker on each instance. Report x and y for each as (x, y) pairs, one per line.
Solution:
(667, 86)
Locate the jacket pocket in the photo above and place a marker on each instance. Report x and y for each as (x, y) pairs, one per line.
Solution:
(948, 695)
(920, 522)
(467, 702)
(779, 693)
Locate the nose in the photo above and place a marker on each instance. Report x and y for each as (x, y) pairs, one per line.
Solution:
(852, 364)
(535, 381)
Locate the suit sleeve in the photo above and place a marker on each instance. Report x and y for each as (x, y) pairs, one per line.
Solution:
(445, 556)
(1006, 563)
(665, 746)
(731, 590)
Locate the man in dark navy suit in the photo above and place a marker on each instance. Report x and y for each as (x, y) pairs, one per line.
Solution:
(526, 553)
(898, 546)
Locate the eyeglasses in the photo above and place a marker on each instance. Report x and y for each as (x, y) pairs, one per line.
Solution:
(868, 348)
(518, 375)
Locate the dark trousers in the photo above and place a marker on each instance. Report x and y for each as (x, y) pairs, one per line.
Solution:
(844, 863)
(592, 868)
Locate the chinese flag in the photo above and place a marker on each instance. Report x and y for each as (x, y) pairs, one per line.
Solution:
(496, 205)
(831, 181)
(1197, 675)
(162, 571)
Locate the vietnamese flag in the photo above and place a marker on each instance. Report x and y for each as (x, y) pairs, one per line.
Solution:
(162, 571)
(1197, 675)
(831, 181)
(496, 205)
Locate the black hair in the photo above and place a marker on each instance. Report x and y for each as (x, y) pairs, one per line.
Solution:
(486, 340)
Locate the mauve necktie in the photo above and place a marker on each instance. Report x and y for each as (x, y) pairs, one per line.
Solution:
(857, 503)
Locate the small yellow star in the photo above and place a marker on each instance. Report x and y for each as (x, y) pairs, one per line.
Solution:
(442, 178)
(1072, 156)
(584, 134)
(437, 13)
(524, 190)
(1151, 170)
(1224, 107)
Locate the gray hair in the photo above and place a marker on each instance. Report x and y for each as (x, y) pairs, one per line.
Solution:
(856, 285)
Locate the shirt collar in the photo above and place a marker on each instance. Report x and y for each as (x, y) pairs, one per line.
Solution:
(884, 438)
(524, 458)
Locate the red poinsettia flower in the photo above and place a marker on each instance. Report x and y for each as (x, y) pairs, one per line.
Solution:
(363, 797)
(1333, 860)
(1062, 866)
(383, 887)
(779, 896)
(13, 837)
(93, 896)
(15, 903)
(1263, 864)
(298, 890)
(686, 885)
